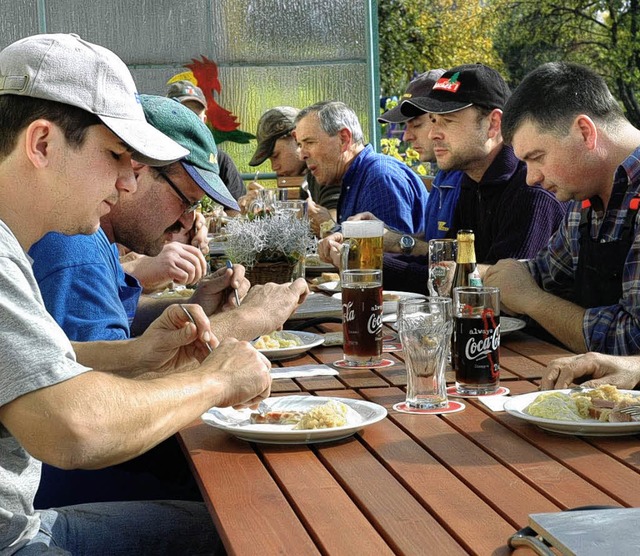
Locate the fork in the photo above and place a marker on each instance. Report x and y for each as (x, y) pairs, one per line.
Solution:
(633, 410)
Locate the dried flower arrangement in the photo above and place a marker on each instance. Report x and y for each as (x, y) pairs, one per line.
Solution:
(279, 238)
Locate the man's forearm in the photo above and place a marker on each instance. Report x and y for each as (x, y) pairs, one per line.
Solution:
(560, 318)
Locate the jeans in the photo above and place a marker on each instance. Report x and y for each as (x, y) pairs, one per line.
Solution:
(126, 528)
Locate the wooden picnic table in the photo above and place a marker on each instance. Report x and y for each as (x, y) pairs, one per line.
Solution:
(460, 483)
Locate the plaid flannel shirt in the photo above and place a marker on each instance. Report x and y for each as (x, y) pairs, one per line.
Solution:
(614, 329)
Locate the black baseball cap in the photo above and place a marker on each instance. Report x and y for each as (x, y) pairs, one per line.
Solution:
(459, 88)
(419, 87)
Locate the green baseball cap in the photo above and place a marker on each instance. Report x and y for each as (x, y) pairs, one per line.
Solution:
(180, 124)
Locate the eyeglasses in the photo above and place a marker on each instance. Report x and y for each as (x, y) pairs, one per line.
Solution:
(189, 206)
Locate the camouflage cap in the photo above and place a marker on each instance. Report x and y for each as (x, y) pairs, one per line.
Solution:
(274, 124)
(185, 90)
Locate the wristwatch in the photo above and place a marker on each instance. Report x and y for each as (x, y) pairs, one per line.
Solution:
(407, 243)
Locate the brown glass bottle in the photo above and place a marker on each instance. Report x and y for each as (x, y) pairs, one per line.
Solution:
(467, 273)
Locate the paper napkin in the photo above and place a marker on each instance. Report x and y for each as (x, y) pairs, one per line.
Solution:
(302, 371)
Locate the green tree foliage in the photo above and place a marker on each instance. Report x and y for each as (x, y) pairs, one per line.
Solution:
(601, 34)
(418, 35)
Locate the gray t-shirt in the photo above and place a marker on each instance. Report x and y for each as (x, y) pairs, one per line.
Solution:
(34, 354)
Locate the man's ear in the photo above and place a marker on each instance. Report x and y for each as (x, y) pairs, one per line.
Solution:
(585, 128)
(495, 123)
(37, 142)
(345, 138)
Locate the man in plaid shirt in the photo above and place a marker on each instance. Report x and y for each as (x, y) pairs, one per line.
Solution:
(584, 287)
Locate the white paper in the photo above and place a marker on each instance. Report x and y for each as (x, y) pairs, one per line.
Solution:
(494, 403)
(302, 371)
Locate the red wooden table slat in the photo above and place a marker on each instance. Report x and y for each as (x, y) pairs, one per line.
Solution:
(228, 470)
(330, 515)
(508, 493)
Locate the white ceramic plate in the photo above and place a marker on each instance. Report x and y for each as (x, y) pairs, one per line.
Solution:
(509, 324)
(588, 427)
(329, 287)
(180, 292)
(314, 266)
(390, 308)
(309, 340)
(361, 414)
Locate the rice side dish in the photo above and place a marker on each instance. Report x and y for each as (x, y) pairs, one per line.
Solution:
(277, 340)
(325, 416)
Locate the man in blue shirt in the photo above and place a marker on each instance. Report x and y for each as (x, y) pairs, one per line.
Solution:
(331, 142)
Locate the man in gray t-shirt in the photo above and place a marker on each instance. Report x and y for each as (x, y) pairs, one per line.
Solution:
(70, 124)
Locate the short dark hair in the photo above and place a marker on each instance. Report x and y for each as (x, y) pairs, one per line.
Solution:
(552, 95)
(17, 112)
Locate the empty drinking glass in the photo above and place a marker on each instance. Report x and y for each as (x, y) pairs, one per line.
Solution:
(425, 327)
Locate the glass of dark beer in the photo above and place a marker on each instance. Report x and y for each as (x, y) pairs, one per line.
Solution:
(362, 316)
(477, 340)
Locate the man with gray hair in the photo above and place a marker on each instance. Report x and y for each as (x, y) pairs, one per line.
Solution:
(331, 142)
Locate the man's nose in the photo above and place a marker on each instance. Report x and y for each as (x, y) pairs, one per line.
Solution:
(127, 180)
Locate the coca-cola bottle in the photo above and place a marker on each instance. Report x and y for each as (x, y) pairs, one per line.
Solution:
(467, 273)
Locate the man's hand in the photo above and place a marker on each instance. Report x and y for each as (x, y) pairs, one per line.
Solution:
(250, 196)
(172, 342)
(199, 234)
(270, 305)
(215, 293)
(177, 262)
(243, 373)
(517, 286)
(363, 216)
(317, 216)
(330, 248)
(620, 371)
(194, 232)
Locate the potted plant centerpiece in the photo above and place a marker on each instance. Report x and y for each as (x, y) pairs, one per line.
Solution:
(271, 248)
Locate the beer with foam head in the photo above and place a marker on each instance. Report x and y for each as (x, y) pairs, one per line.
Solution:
(362, 247)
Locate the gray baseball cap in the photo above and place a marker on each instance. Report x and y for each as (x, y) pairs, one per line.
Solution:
(273, 125)
(66, 69)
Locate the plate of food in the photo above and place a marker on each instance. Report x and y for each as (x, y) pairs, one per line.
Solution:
(583, 412)
(297, 419)
(178, 292)
(510, 324)
(314, 266)
(286, 343)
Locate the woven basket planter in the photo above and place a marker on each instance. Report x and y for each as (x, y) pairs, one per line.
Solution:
(261, 273)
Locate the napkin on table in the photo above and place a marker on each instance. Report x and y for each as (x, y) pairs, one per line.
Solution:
(302, 371)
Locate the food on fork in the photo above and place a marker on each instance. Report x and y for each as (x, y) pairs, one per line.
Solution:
(277, 340)
(602, 404)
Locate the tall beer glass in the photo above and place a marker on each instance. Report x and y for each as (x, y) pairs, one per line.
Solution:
(362, 247)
